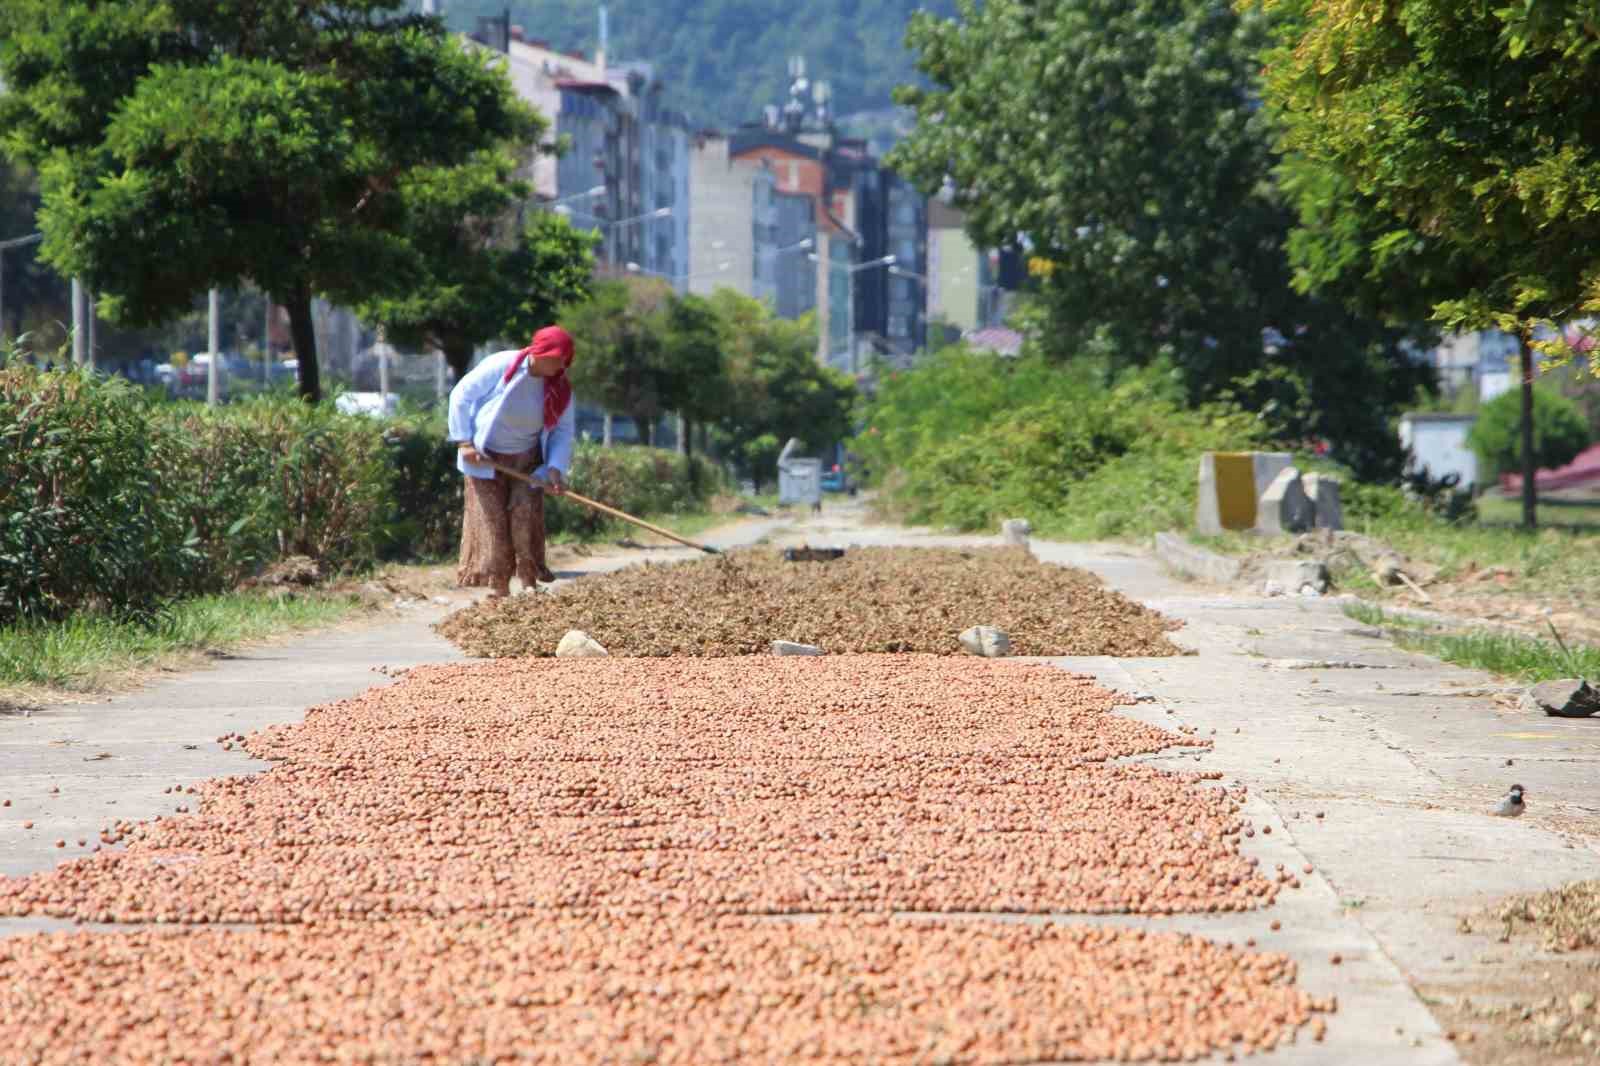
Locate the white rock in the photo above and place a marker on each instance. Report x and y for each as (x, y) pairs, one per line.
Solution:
(789, 647)
(986, 641)
(579, 645)
(1016, 530)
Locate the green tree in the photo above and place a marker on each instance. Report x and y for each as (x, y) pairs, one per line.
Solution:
(776, 387)
(1125, 141)
(1474, 124)
(1560, 432)
(184, 144)
(693, 379)
(619, 335)
(474, 275)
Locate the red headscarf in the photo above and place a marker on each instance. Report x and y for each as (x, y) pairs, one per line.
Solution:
(550, 341)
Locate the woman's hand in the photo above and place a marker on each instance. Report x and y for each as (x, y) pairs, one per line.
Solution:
(554, 484)
(471, 454)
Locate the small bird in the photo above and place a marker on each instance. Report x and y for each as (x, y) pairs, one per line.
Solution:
(1511, 806)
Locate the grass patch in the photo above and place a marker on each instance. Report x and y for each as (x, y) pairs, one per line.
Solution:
(1510, 655)
(1581, 514)
(84, 651)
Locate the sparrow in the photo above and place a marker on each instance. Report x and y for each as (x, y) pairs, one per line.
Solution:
(1511, 806)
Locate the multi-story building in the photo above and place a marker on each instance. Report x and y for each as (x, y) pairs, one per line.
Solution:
(733, 222)
(856, 214)
(626, 168)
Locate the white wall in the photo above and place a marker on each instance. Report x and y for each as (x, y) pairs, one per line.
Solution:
(1439, 445)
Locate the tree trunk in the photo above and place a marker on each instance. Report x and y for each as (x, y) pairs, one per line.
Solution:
(647, 427)
(605, 432)
(1530, 489)
(303, 332)
(458, 354)
(686, 447)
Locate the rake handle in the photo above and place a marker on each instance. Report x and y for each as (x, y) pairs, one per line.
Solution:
(607, 509)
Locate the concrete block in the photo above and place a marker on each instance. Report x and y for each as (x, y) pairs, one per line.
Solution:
(1190, 560)
(1323, 492)
(1015, 531)
(1285, 507)
(1293, 577)
(1231, 483)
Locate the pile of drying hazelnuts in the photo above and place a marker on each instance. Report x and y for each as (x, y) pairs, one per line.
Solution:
(870, 600)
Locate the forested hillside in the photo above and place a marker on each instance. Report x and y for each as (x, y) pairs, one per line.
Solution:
(726, 58)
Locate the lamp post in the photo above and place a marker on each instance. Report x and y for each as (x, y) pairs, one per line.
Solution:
(611, 227)
(635, 268)
(213, 333)
(850, 297)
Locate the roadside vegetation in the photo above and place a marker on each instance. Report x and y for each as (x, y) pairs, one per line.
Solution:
(86, 651)
(967, 440)
(1510, 655)
(131, 527)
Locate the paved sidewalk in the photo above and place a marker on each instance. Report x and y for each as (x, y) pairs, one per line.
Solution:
(118, 757)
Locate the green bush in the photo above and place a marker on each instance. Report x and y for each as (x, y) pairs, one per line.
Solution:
(972, 439)
(87, 515)
(1560, 432)
(641, 481)
(116, 502)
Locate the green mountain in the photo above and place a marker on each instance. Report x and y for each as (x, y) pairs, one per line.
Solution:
(724, 59)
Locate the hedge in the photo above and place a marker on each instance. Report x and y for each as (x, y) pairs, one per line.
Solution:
(115, 502)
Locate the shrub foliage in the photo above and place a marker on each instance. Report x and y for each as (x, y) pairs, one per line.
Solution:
(112, 502)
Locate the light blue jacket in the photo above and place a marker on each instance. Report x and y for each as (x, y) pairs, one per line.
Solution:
(508, 418)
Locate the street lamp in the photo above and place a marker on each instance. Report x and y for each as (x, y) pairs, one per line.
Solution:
(660, 212)
(590, 194)
(635, 268)
(850, 296)
(604, 224)
(5, 246)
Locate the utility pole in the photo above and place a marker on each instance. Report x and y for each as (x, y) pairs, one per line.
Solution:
(77, 322)
(383, 372)
(213, 328)
(438, 375)
(266, 343)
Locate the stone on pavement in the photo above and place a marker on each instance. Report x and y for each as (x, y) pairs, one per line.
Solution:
(987, 641)
(789, 647)
(579, 645)
(1568, 698)
(1016, 531)
(1294, 577)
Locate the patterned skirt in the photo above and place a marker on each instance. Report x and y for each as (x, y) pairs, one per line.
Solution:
(502, 528)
